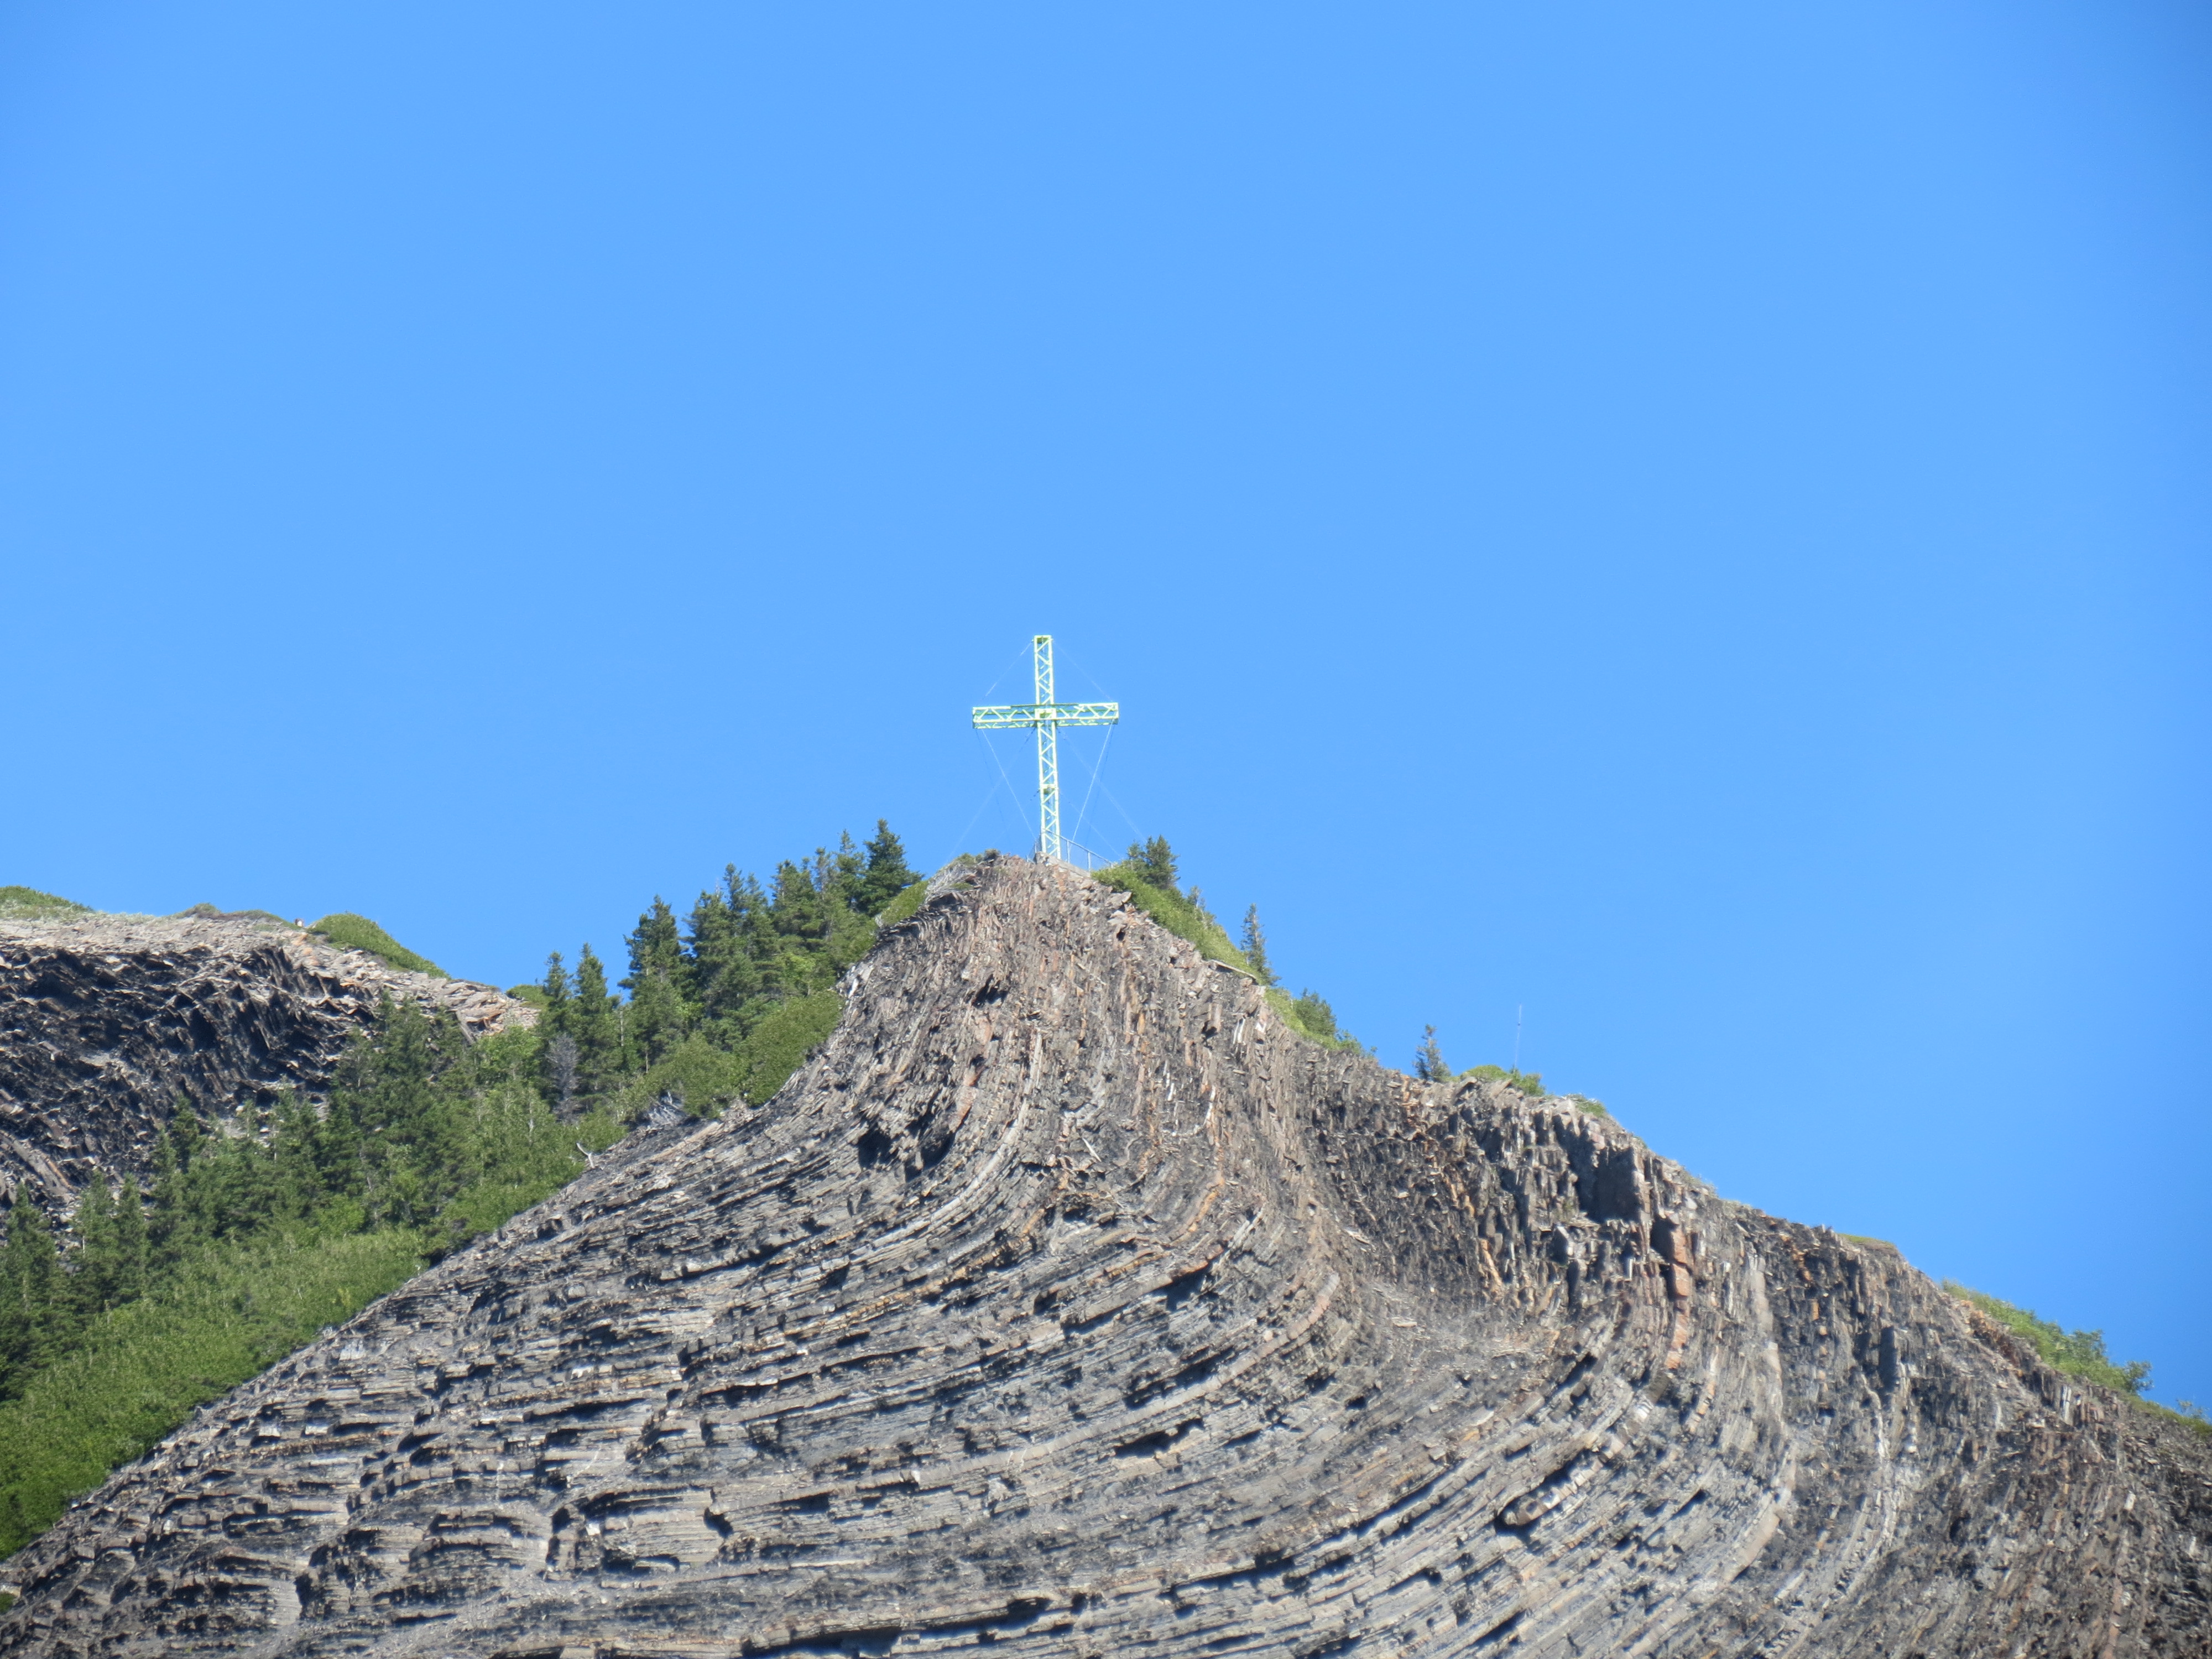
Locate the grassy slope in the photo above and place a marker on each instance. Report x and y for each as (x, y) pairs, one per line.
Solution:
(354, 932)
(29, 904)
(230, 1313)
(1185, 920)
(228, 1316)
(2079, 1354)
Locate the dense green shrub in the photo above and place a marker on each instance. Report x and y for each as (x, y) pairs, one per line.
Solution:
(352, 932)
(220, 1316)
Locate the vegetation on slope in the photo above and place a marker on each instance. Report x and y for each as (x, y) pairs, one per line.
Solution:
(1148, 875)
(352, 932)
(29, 904)
(2081, 1354)
(259, 1230)
(724, 1005)
(1429, 1066)
(2077, 1353)
(256, 1234)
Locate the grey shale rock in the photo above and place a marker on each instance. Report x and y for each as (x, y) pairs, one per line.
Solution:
(105, 1019)
(1066, 1303)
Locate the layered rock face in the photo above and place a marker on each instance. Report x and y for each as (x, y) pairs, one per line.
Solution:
(1066, 1303)
(106, 1020)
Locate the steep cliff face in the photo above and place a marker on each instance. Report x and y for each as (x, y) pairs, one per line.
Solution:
(106, 1020)
(1064, 1303)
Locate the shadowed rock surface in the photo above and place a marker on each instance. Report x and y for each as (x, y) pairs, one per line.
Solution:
(105, 1020)
(1066, 1303)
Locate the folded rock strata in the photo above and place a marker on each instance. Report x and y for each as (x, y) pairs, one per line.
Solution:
(1066, 1303)
(105, 1020)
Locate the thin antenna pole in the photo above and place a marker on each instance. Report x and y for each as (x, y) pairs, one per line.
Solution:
(1517, 1036)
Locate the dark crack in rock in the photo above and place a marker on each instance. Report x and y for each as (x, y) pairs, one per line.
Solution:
(1064, 1303)
(105, 1020)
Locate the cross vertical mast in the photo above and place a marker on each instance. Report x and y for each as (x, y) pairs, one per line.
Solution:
(1048, 757)
(1047, 717)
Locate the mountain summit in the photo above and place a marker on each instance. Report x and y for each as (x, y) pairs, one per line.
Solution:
(1067, 1303)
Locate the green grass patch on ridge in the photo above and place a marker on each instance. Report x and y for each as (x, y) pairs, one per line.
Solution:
(2080, 1354)
(1187, 921)
(909, 900)
(352, 932)
(29, 904)
(2077, 1353)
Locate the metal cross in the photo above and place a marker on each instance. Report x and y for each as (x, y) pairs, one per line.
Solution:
(1047, 717)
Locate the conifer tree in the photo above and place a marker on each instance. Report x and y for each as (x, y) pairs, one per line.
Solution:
(1313, 1013)
(1253, 944)
(130, 1242)
(597, 1025)
(1155, 862)
(557, 1051)
(384, 1095)
(886, 874)
(726, 940)
(660, 976)
(795, 903)
(95, 1284)
(36, 1320)
(1429, 1060)
(178, 1186)
(557, 994)
(295, 1180)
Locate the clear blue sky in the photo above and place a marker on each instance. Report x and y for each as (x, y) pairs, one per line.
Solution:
(1689, 519)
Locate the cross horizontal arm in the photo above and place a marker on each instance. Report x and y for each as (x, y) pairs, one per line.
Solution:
(1047, 714)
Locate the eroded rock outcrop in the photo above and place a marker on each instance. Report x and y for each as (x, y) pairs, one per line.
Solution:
(1064, 1303)
(105, 1020)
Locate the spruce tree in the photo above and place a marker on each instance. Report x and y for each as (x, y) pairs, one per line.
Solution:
(1254, 946)
(796, 904)
(1429, 1060)
(886, 874)
(1154, 861)
(557, 1051)
(597, 1025)
(659, 976)
(180, 1204)
(1313, 1013)
(36, 1319)
(95, 1284)
(725, 972)
(557, 994)
(130, 1242)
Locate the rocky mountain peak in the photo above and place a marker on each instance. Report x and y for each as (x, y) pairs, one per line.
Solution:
(1064, 1302)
